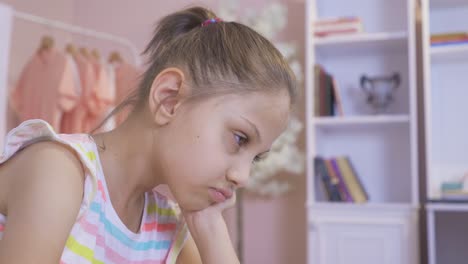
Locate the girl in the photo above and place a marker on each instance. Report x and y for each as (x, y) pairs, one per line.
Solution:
(213, 99)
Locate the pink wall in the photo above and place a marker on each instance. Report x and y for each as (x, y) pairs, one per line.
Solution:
(274, 230)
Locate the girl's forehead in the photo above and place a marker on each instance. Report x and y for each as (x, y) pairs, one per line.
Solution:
(257, 107)
(254, 100)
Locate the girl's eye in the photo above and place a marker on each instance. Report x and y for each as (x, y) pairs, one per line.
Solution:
(256, 159)
(240, 140)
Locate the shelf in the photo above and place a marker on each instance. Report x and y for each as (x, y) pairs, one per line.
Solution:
(360, 120)
(447, 3)
(449, 52)
(448, 207)
(362, 206)
(361, 43)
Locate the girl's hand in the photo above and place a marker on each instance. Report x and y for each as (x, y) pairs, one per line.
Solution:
(211, 211)
(210, 233)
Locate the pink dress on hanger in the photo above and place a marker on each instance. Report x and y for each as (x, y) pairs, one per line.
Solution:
(75, 120)
(45, 88)
(101, 98)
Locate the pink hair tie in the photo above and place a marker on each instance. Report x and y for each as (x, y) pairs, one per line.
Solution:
(211, 21)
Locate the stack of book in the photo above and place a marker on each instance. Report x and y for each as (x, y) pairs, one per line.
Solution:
(453, 191)
(338, 26)
(327, 99)
(452, 38)
(340, 180)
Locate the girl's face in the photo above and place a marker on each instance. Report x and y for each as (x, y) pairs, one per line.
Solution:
(210, 146)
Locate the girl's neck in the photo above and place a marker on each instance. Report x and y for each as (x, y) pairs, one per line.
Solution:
(127, 161)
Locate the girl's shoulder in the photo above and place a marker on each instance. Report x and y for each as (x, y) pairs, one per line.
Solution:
(79, 145)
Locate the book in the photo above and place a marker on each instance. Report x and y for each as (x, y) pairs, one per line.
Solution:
(337, 26)
(357, 178)
(337, 98)
(440, 41)
(336, 20)
(451, 186)
(317, 72)
(323, 93)
(344, 192)
(328, 100)
(355, 187)
(449, 43)
(454, 195)
(330, 187)
(446, 36)
(337, 32)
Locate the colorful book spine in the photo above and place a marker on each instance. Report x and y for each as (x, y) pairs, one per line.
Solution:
(449, 43)
(323, 93)
(327, 98)
(448, 36)
(341, 183)
(358, 179)
(317, 73)
(337, 26)
(336, 20)
(460, 39)
(321, 172)
(337, 98)
(337, 32)
(351, 180)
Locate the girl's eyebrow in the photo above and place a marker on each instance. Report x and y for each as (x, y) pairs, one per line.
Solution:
(252, 125)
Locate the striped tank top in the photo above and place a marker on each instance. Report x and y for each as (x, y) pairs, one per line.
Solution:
(98, 235)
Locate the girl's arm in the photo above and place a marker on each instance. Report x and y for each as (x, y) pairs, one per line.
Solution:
(45, 189)
(189, 253)
(211, 236)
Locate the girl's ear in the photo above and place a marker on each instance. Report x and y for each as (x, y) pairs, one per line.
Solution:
(166, 95)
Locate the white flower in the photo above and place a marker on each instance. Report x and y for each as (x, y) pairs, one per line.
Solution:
(284, 156)
(297, 69)
(228, 10)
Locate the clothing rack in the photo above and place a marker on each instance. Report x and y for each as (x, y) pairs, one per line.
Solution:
(80, 30)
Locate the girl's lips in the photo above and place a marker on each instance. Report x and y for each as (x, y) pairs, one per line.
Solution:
(220, 195)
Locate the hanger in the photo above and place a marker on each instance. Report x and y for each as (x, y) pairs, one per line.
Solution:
(47, 42)
(95, 54)
(70, 48)
(84, 51)
(115, 57)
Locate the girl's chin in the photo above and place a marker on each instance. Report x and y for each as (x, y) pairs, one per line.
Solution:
(192, 206)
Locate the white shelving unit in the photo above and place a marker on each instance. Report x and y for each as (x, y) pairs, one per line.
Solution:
(360, 120)
(449, 53)
(383, 148)
(446, 141)
(367, 42)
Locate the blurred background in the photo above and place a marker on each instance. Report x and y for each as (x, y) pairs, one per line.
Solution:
(273, 227)
(373, 167)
